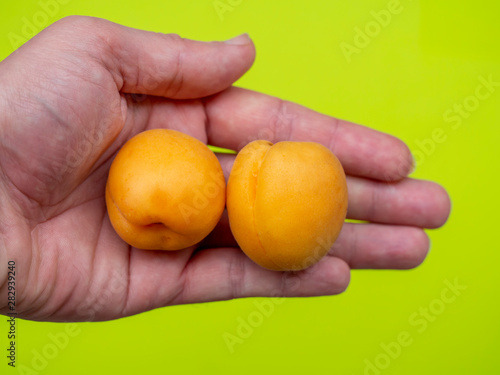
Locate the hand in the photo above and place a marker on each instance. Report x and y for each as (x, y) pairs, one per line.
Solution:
(77, 91)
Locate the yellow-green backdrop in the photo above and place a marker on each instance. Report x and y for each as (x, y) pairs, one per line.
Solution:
(419, 60)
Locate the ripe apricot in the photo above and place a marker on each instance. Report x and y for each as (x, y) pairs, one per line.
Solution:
(286, 203)
(165, 190)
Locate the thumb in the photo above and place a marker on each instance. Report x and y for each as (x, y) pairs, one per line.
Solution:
(167, 65)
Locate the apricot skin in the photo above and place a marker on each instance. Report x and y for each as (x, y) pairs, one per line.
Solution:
(286, 203)
(165, 190)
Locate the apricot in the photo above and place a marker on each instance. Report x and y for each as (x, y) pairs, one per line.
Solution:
(165, 190)
(286, 203)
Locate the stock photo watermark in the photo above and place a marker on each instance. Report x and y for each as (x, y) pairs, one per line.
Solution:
(32, 25)
(57, 343)
(456, 115)
(11, 314)
(245, 326)
(223, 6)
(98, 299)
(201, 198)
(363, 36)
(265, 308)
(419, 321)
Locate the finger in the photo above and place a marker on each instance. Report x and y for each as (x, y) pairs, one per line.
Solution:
(154, 278)
(407, 202)
(410, 202)
(164, 64)
(372, 246)
(238, 116)
(376, 246)
(146, 112)
(226, 273)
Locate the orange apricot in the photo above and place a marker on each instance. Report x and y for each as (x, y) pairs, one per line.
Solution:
(286, 203)
(165, 190)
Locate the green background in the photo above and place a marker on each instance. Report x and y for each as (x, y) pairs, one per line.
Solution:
(404, 81)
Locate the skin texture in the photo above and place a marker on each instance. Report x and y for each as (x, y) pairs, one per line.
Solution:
(165, 191)
(77, 91)
(286, 203)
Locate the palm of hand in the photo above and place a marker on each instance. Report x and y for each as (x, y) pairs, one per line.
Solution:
(72, 114)
(79, 269)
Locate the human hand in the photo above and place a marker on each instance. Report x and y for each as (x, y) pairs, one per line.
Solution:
(76, 92)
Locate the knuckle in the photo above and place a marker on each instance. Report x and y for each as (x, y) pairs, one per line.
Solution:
(78, 22)
(281, 122)
(85, 34)
(332, 140)
(236, 276)
(290, 284)
(374, 202)
(172, 37)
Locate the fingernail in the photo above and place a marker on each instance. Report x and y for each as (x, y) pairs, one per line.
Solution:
(413, 165)
(239, 40)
